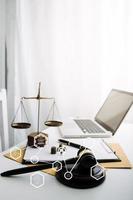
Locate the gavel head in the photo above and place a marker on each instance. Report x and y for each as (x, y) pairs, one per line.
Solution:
(86, 160)
(86, 172)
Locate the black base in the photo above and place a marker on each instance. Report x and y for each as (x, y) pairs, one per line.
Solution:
(81, 181)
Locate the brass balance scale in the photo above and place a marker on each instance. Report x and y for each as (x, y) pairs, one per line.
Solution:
(38, 138)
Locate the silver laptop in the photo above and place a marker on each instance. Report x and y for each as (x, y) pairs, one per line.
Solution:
(106, 121)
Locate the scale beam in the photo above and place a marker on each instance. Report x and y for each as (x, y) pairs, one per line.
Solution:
(37, 98)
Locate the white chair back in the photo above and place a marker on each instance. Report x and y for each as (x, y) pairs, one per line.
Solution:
(3, 100)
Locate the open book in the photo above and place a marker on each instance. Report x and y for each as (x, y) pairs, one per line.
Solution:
(100, 149)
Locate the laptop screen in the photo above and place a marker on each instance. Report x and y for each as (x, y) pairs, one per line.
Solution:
(114, 109)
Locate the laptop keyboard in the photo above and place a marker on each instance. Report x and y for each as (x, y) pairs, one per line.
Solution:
(88, 126)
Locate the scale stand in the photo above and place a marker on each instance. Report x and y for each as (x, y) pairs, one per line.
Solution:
(37, 138)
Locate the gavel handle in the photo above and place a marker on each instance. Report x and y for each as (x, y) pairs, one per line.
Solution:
(25, 170)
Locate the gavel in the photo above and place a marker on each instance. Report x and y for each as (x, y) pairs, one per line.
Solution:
(82, 171)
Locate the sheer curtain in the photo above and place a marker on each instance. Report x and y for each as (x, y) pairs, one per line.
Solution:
(78, 49)
(7, 40)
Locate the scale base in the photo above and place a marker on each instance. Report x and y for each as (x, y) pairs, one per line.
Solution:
(37, 139)
(79, 181)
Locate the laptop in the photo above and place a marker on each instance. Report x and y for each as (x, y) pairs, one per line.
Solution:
(106, 121)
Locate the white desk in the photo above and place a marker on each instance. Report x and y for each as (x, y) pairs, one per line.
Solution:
(118, 183)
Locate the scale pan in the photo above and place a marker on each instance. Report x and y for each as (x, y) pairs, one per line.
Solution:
(21, 125)
(53, 123)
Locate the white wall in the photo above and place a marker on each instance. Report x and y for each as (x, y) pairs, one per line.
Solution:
(78, 49)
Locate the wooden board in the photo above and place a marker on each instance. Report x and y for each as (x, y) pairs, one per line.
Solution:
(18, 154)
(124, 164)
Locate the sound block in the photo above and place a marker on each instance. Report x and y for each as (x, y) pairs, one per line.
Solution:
(76, 179)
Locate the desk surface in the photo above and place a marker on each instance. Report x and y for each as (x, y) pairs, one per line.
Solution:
(118, 183)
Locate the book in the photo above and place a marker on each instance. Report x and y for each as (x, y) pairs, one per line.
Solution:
(101, 150)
